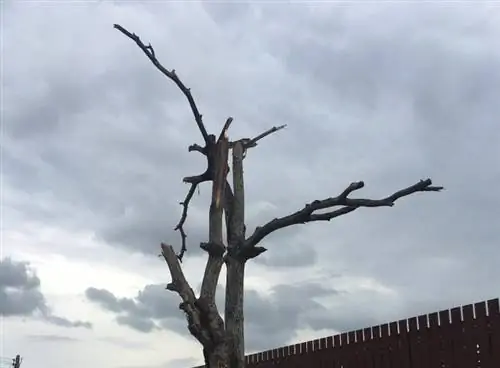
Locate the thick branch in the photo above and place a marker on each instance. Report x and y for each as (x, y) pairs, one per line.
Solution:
(189, 303)
(149, 51)
(237, 225)
(228, 205)
(346, 205)
(215, 246)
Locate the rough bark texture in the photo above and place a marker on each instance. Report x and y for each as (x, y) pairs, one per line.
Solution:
(234, 319)
(235, 266)
(224, 344)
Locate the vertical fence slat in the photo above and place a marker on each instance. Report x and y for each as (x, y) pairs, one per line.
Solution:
(445, 338)
(343, 348)
(384, 346)
(336, 353)
(470, 348)
(414, 342)
(431, 341)
(360, 349)
(395, 351)
(457, 338)
(481, 332)
(494, 330)
(377, 358)
(368, 343)
(404, 344)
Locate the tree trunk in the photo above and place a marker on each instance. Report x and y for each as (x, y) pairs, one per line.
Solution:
(217, 357)
(235, 266)
(234, 318)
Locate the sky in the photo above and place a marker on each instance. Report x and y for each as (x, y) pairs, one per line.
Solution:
(94, 149)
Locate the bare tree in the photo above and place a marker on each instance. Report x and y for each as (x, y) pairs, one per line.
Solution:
(223, 340)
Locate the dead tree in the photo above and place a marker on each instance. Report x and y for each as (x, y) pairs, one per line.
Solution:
(223, 340)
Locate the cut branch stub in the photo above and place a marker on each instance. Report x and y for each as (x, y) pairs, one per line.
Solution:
(346, 204)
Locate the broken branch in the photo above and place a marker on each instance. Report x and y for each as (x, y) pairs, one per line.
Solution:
(348, 205)
(197, 148)
(253, 142)
(149, 51)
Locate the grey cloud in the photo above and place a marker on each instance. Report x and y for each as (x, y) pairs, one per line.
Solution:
(20, 295)
(19, 289)
(137, 323)
(277, 317)
(141, 312)
(52, 338)
(63, 322)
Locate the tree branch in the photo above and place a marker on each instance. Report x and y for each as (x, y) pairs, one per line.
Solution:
(347, 205)
(215, 245)
(181, 286)
(149, 51)
(194, 181)
(249, 143)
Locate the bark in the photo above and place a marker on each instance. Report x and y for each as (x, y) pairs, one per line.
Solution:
(234, 318)
(235, 265)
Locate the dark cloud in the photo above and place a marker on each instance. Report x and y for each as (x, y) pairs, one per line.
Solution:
(277, 316)
(20, 295)
(152, 308)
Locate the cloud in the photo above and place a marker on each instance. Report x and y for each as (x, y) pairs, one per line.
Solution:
(52, 338)
(141, 313)
(277, 316)
(20, 295)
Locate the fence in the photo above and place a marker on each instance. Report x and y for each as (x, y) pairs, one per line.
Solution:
(463, 337)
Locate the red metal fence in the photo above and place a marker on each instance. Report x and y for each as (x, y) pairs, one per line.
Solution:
(463, 337)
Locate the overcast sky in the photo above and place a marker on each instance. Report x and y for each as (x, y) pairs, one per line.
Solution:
(95, 147)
